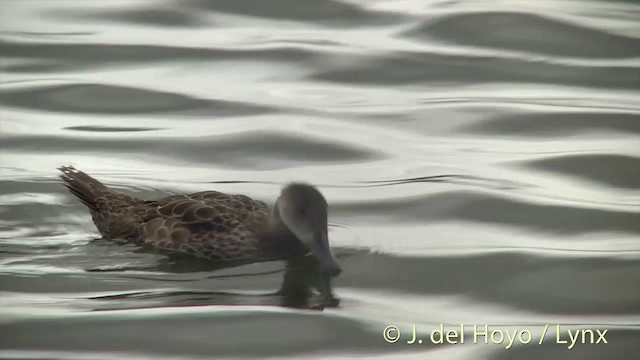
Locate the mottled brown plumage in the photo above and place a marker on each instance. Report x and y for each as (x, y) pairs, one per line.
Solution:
(213, 225)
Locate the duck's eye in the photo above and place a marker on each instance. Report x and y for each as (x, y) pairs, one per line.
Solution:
(302, 212)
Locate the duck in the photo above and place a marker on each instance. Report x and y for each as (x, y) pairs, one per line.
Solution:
(229, 229)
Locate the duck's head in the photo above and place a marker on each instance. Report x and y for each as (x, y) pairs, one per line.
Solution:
(303, 210)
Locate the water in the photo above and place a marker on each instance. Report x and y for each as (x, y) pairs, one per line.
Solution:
(480, 159)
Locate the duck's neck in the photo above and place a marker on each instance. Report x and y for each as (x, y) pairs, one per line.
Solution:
(277, 242)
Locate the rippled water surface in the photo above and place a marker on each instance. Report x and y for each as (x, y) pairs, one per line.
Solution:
(481, 160)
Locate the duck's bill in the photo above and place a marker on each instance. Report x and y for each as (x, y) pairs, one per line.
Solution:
(320, 249)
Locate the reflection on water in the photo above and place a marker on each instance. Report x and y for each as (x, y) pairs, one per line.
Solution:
(480, 160)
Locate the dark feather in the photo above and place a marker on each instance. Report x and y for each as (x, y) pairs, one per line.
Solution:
(208, 224)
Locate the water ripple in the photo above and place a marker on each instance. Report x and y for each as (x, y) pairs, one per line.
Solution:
(258, 150)
(610, 169)
(531, 33)
(479, 159)
(559, 124)
(100, 98)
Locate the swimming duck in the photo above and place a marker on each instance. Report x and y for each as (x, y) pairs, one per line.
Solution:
(226, 228)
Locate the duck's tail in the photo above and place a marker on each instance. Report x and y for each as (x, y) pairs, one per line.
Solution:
(83, 186)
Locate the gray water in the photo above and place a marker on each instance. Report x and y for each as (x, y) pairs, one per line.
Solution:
(480, 158)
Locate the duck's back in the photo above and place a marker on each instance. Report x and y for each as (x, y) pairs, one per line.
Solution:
(208, 224)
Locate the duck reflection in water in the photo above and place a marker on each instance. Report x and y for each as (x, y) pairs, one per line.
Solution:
(229, 230)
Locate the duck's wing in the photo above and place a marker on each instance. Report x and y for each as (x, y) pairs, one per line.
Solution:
(209, 225)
